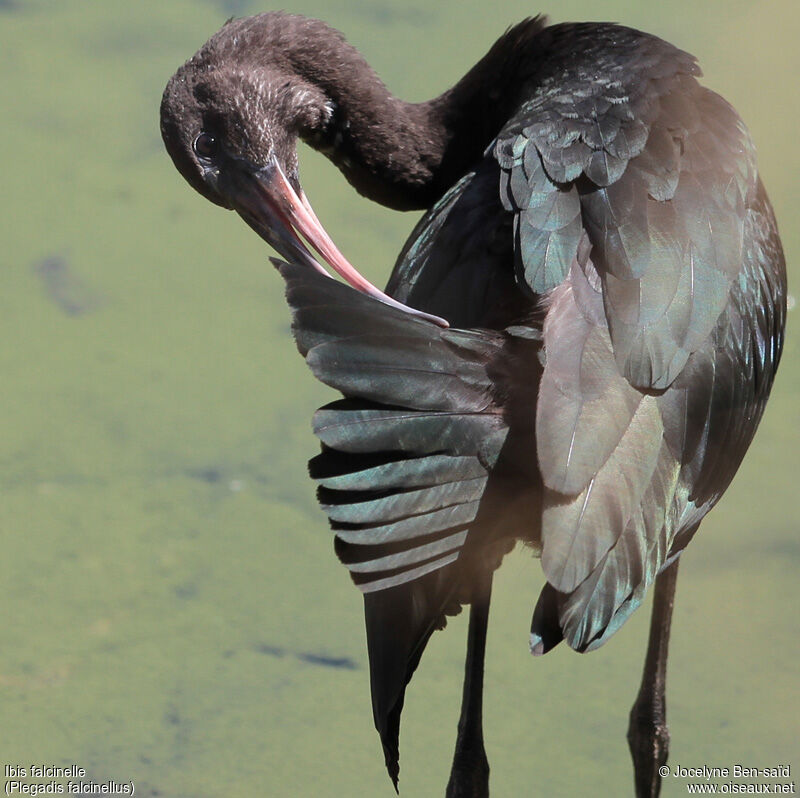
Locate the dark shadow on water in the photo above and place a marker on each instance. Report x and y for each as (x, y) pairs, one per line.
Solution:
(271, 651)
(342, 663)
(210, 475)
(329, 662)
(186, 591)
(63, 287)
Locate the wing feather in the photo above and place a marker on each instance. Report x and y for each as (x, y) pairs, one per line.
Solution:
(656, 170)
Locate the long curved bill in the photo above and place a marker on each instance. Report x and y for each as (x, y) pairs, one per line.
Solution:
(270, 205)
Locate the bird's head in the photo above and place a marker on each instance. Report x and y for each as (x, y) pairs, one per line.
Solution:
(231, 117)
(230, 120)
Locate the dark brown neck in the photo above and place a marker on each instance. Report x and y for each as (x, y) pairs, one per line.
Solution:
(406, 155)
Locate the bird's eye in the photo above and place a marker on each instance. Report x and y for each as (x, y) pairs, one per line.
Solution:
(206, 145)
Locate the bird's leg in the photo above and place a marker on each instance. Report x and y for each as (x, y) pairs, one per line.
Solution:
(469, 776)
(648, 735)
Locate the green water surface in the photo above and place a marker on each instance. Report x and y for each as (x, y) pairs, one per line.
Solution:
(173, 614)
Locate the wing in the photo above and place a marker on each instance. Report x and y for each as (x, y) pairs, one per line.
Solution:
(639, 220)
(675, 456)
(624, 145)
(459, 258)
(407, 471)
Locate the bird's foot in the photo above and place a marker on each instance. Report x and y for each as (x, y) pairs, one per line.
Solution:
(648, 740)
(469, 777)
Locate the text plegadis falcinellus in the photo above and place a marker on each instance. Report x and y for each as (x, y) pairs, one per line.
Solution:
(597, 237)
